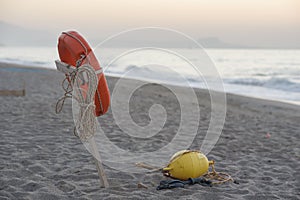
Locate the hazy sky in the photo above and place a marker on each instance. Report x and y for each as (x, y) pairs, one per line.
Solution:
(248, 22)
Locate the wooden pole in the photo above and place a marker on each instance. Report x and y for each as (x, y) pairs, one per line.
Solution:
(100, 169)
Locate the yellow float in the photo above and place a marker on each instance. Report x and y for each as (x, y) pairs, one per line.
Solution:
(190, 164)
(187, 164)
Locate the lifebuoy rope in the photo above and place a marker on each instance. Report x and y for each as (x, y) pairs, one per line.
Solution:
(78, 40)
(68, 89)
(86, 123)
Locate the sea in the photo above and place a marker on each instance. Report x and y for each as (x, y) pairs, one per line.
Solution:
(272, 74)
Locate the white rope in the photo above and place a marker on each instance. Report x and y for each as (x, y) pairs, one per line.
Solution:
(86, 122)
(80, 84)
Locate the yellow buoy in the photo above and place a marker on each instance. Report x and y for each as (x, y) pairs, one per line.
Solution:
(187, 164)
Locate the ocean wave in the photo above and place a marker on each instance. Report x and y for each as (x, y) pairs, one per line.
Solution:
(273, 83)
(156, 73)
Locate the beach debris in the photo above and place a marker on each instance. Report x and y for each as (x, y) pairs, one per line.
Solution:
(146, 166)
(16, 93)
(268, 135)
(141, 185)
(170, 184)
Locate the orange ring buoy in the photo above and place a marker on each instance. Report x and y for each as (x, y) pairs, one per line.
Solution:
(74, 50)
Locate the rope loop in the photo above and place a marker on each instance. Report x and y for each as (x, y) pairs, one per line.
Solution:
(84, 88)
(217, 177)
(81, 85)
(68, 89)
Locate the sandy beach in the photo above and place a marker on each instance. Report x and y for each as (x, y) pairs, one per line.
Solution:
(41, 158)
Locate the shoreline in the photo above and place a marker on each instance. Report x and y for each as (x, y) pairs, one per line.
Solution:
(275, 102)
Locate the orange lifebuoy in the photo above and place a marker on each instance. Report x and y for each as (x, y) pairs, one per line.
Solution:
(74, 50)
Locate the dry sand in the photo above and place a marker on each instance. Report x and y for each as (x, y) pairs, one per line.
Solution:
(41, 158)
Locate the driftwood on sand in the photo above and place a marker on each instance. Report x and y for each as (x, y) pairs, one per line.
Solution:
(17, 93)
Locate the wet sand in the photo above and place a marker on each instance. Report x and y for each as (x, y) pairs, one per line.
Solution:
(41, 158)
